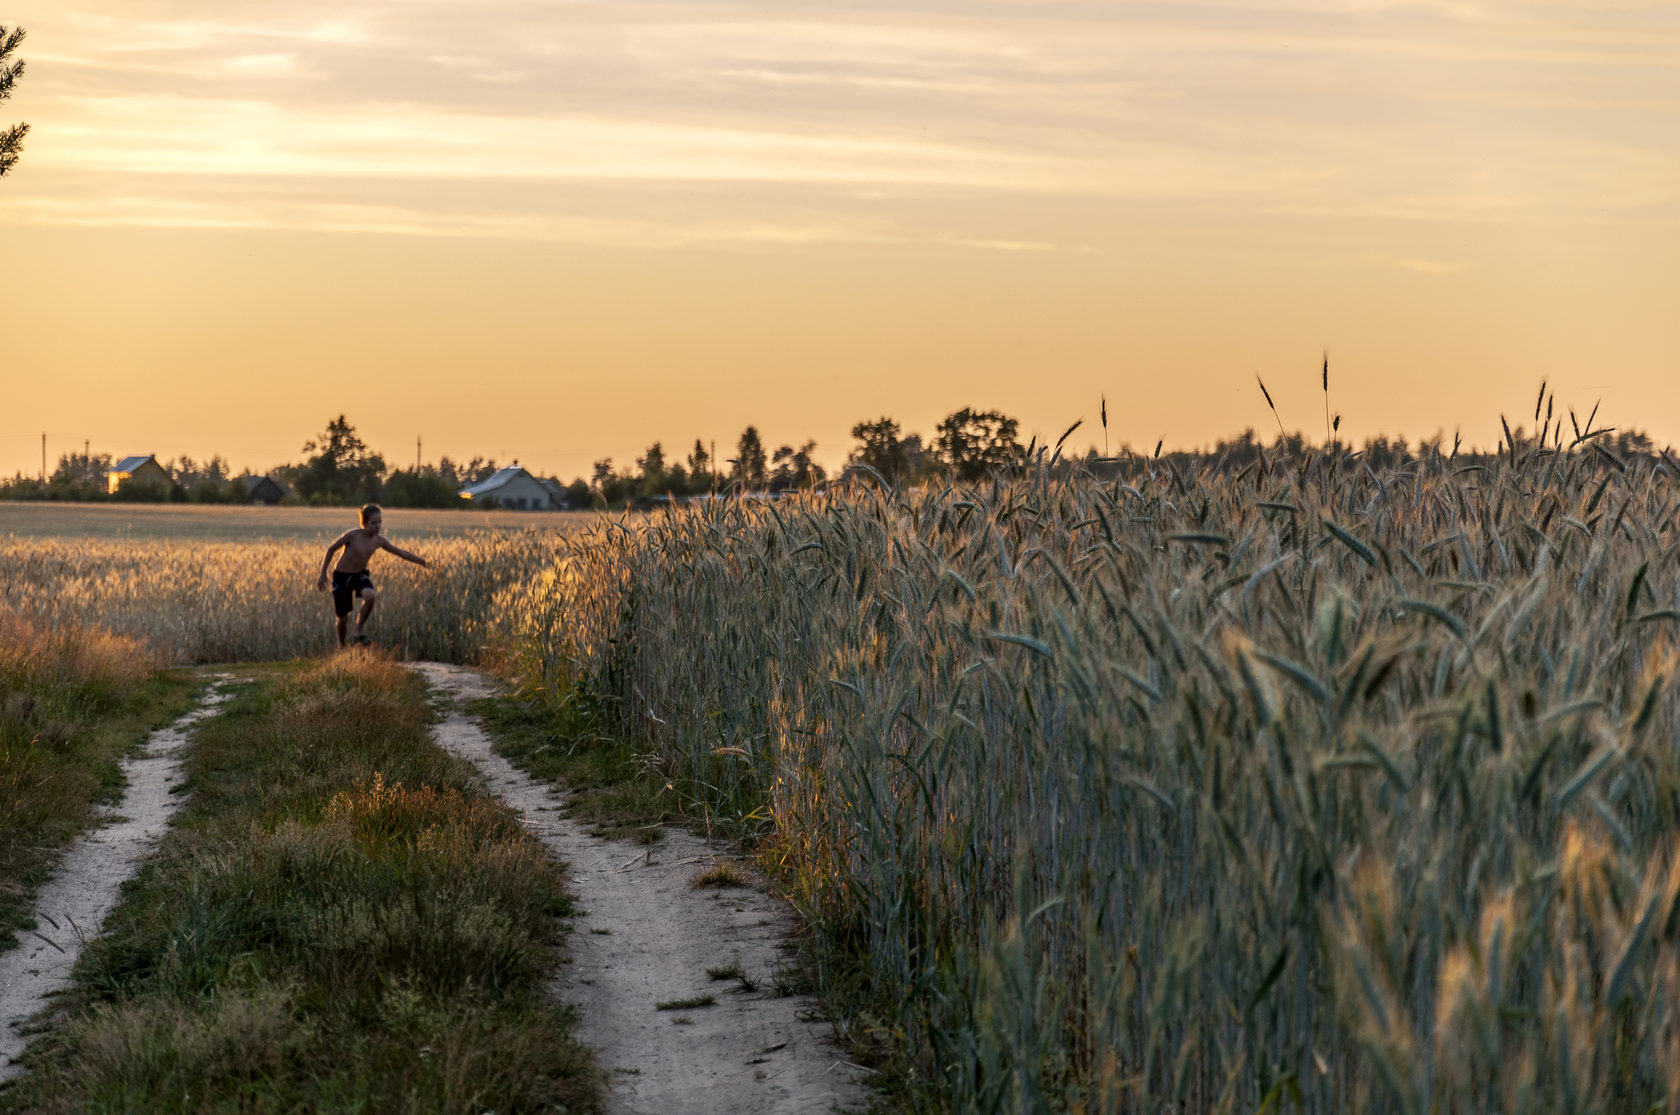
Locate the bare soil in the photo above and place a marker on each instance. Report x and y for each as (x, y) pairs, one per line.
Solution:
(73, 905)
(645, 936)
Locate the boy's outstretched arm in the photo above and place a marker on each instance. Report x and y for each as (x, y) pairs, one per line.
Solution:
(321, 582)
(385, 544)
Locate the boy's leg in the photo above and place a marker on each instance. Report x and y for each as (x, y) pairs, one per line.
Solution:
(368, 597)
(341, 607)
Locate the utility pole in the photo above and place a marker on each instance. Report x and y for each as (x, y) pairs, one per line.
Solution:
(417, 454)
(43, 455)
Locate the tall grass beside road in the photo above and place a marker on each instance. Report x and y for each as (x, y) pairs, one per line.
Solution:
(340, 919)
(1304, 786)
(73, 701)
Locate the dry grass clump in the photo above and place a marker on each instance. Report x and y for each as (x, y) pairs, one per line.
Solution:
(1224, 787)
(721, 875)
(72, 701)
(102, 665)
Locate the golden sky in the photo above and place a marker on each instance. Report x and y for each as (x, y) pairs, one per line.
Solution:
(559, 231)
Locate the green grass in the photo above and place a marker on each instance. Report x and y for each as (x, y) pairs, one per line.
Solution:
(340, 920)
(612, 787)
(72, 704)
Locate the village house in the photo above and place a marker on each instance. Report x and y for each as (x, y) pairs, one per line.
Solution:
(264, 490)
(512, 488)
(141, 470)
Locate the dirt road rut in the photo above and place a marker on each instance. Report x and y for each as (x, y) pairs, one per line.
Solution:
(73, 905)
(644, 937)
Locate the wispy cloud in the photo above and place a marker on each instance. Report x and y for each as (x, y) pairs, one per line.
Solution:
(1439, 111)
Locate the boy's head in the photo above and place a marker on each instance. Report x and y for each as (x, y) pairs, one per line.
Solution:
(372, 518)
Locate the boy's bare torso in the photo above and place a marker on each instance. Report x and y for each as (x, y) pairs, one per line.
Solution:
(359, 546)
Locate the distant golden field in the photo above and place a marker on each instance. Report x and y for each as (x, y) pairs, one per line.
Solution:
(213, 523)
(219, 584)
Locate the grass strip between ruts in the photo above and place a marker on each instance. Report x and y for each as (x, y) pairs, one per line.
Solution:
(341, 919)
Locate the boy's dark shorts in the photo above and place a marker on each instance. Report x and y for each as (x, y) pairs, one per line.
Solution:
(347, 587)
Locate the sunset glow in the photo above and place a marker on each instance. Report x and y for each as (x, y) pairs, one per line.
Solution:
(559, 232)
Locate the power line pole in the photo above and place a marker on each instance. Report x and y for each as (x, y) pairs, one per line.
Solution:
(416, 454)
(43, 454)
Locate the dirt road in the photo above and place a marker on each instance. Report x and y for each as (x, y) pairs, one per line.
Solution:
(646, 937)
(73, 905)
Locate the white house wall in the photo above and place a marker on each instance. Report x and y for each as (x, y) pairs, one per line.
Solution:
(520, 493)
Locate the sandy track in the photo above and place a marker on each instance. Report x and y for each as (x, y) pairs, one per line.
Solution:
(643, 937)
(73, 904)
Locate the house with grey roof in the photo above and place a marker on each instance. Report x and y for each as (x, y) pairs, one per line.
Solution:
(512, 488)
(139, 470)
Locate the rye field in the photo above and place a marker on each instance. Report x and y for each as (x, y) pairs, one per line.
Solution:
(185, 522)
(1286, 784)
(225, 584)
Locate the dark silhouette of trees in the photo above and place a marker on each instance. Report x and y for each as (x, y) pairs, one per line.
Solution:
(651, 466)
(11, 140)
(342, 470)
(795, 469)
(881, 449)
(973, 443)
(749, 461)
(459, 474)
(80, 476)
(209, 481)
(424, 486)
(699, 467)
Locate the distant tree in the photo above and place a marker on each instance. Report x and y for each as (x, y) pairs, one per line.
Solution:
(698, 459)
(795, 469)
(420, 487)
(676, 481)
(11, 140)
(81, 477)
(879, 448)
(578, 494)
(478, 470)
(342, 470)
(651, 469)
(601, 475)
(749, 461)
(209, 482)
(700, 464)
(973, 443)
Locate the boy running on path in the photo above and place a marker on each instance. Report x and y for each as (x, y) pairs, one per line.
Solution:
(351, 580)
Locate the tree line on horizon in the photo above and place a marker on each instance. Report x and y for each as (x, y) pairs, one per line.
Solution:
(340, 469)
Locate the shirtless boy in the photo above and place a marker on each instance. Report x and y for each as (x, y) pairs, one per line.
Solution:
(350, 579)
